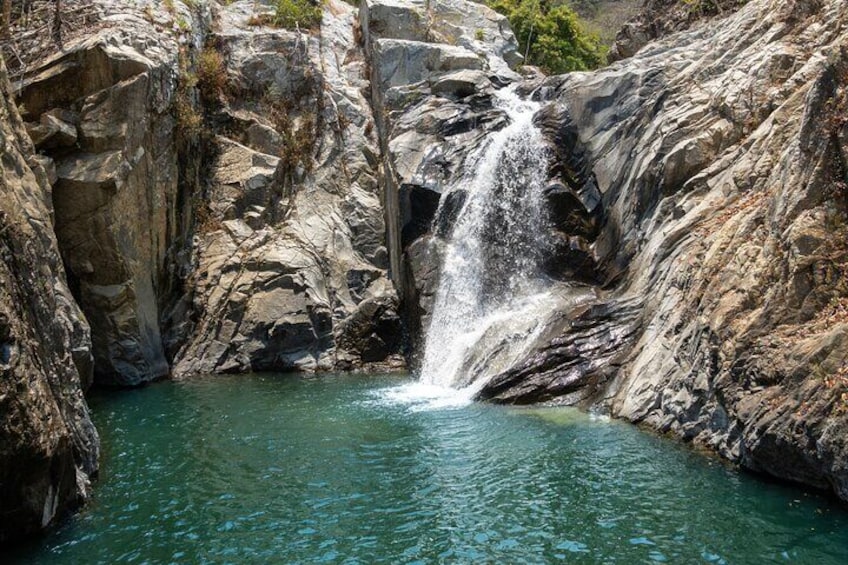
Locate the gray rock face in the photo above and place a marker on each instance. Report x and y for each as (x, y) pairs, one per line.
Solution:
(292, 271)
(401, 62)
(432, 80)
(48, 445)
(659, 18)
(281, 206)
(721, 316)
(442, 24)
(103, 111)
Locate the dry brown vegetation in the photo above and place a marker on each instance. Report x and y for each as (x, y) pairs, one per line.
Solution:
(211, 75)
(605, 17)
(30, 33)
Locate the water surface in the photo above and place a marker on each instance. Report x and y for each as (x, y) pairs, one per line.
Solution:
(356, 469)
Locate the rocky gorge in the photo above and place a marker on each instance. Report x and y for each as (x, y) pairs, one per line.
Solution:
(190, 190)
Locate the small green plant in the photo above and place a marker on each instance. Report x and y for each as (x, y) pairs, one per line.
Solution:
(711, 7)
(291, 14)
(296, 115)
(478, 35)
(189, 120)
(299, 134)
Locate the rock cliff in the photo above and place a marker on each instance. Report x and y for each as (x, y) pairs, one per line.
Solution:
(101, 109)
(721, 312)
(229, 196)
(48, 445)
(217, 189)
(291, 264)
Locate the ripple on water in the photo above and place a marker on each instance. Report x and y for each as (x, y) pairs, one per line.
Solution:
(380, 470)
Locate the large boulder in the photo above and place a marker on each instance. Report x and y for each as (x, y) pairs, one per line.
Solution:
(469, 25)
(399, 62)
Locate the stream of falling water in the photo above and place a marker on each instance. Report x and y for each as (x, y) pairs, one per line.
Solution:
(489, 298)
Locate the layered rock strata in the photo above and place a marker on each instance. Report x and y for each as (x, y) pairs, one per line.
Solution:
(103, 111)
(720, 153)
(216, 192)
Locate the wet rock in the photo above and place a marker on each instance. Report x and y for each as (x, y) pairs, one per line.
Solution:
(420, 207)
(572, 258)
(568, 213)
(574, 360)
(449, 212)
(422, 260)
(721, 315)
(460, 84)
(374, 332)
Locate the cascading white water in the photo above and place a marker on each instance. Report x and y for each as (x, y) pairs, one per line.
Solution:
(489, 285)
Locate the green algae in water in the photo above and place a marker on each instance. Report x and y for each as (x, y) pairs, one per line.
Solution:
(353, 469)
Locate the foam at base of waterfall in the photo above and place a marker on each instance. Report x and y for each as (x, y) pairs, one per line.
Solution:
(418, 396)
(498, 341)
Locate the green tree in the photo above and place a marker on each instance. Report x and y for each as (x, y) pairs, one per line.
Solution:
(551, 37)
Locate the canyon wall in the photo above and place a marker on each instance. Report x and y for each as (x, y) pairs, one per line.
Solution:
(721, 314)
(48, 445)
(210, 193)
(217, 189)
(291, 265)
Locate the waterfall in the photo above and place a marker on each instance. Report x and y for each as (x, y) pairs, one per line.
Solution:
(490, 296)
